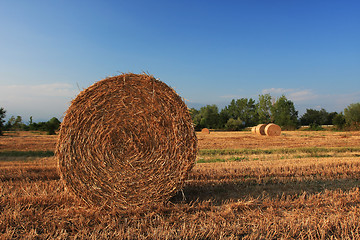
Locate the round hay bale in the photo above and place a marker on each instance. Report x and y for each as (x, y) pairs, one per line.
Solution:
(272, 130)
(205, 131)
(253, 130)
(127, 141)
(260, 129)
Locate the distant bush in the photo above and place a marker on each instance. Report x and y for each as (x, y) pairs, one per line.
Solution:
(52, 125)
(339, 121)
(352, 116)
(234, 124)
(2, 116)
(315, 127)
(16, 124)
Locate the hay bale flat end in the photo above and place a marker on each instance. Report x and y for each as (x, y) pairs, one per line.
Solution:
(272, 130)
(128, 141)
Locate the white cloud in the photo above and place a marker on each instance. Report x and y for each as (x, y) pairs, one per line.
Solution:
(55, 90)
(302, 95)
(308, 98)
(231, 96)
(341, 101)
(276, 91)
(40, 101)
(298, 95)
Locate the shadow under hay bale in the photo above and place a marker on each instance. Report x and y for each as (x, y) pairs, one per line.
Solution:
(126, 140)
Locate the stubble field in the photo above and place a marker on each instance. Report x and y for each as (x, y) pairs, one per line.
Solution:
(300, 185)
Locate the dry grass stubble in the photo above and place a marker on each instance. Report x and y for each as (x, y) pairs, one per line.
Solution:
(268, 196)
(287, 198)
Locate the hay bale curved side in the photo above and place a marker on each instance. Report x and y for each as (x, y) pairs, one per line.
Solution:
(253, 130)
(205, 131)
(260, 129)
(126, 140)
(272, 130)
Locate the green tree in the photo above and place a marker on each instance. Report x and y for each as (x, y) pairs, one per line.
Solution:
(15, 124)
(209, 116)
(206, 117)
(329, 120)
(283, 113)
(10, 123)
(193, 112)
(339, 121)
(2, 117)
(352, 114)
(223, 118)
(263, 108)
(52, 125)
(32, 125)
(234, 124)
(244, 109)
(196, 118)
(40, 126)
(315, 117)
(18, 124)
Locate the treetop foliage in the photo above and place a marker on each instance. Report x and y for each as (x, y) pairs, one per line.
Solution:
(263, 108)
(283, 113)
(352, 115)
(244, 112)
(239, 114)
(2, 116)
(317, 117)
(17, 124)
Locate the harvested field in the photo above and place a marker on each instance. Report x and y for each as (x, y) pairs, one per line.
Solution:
(250, 187)
(27, 141)
(287, 139)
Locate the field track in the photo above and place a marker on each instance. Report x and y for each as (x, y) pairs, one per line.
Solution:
(301, 185)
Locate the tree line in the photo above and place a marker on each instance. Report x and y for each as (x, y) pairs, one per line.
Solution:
(17, 124)
(244, 112)
(239, 114)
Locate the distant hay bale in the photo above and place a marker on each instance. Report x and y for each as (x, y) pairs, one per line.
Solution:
(253, 130)
(127, 141)
(272, 130)
(260, 129)
(205, 131)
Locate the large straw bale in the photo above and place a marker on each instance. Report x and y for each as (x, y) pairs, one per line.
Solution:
(126, 140)
(260, 129)
(272, 130)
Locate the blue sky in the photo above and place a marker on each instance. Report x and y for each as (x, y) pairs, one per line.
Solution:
(209, 51)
